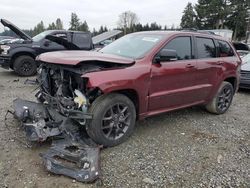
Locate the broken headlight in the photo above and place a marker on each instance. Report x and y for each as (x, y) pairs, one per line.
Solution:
(4, 49)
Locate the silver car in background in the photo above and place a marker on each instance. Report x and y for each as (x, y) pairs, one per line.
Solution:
(245, 72)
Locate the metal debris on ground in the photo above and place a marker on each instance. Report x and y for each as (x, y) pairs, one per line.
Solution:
(73, 154)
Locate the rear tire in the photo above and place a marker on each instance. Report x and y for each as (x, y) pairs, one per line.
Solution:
(25, 65)
(113, 120)
(222, 100)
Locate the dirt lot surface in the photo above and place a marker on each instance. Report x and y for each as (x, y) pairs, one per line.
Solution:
(186, 148)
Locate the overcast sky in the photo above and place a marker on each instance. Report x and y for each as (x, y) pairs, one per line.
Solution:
(27, 13)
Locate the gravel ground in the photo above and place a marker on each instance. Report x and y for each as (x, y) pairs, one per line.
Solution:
(185, 148)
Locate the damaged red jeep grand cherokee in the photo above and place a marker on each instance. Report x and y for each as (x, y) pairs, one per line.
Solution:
(140, 75)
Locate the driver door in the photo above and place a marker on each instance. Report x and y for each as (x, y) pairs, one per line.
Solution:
(173, 82)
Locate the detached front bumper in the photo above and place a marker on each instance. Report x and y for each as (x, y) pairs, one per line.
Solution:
(42, 121)
(5, 61)
(75, 154)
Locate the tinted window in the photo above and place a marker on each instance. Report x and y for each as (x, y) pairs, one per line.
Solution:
(61, 35)
(241, 46)
(82, 40)
(224, 49)
(182, 45)
(205, 48)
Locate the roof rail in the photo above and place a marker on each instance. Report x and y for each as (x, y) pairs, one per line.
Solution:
(198, 31)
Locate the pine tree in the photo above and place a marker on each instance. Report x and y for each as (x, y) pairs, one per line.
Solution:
(211, 14)
(52, 26)
(188, 19)
(155, 26)
(59, 24)
(238, 17)
(74, 22)
(83, 27)
(39, 28)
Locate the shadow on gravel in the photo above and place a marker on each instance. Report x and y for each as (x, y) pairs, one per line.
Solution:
(244, 91)
(11, 74)
(171, 118)
(8, 73)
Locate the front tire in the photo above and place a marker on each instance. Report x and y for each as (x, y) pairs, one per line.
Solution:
(113, 120)
(25, 65)
(222, 100)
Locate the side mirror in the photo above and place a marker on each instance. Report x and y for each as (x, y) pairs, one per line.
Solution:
(46, 42)
(166, 55)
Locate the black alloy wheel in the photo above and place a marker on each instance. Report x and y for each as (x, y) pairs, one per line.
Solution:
(113, 121)
(222, 100)
(116, 121)
(25, 65)
(225, 98)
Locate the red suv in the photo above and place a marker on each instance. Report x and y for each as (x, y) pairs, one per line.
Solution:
(137, 76)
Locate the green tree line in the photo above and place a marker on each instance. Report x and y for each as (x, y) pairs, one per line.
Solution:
(77, 25)
(218, 14)
(206, 14)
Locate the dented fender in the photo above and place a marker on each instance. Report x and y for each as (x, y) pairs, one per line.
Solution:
(129, 78)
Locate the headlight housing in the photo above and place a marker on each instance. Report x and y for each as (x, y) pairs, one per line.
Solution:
(4, 49)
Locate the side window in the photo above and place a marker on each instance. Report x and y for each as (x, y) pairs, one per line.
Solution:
(82, 40)
(182, 46)
(61, 35)
(205, 48)
(225, 49)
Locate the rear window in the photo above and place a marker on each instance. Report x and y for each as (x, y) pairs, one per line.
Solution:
(225, 49)
(205, 48)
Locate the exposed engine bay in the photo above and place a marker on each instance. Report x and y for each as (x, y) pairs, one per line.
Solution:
(62, 113)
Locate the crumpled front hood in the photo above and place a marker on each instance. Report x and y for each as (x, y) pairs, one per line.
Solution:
(245, 67)
(76, 57)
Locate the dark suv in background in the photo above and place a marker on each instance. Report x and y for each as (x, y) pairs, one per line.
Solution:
(20, 55)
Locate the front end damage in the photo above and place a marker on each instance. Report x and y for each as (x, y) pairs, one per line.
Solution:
(64, 100)
(62, 113)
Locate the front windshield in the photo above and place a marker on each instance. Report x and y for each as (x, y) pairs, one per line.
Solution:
(40, 36)
(246, 59)
(133, 46)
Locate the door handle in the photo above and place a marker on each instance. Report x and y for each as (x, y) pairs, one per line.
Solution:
(189, 66)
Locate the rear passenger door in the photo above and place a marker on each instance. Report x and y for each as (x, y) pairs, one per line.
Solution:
(209, 66)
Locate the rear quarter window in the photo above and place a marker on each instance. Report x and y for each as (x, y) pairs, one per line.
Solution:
(225, 49)
(205, 48)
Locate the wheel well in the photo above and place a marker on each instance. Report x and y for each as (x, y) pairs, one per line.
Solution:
(133, 96)
(232, 80)
(20, 54)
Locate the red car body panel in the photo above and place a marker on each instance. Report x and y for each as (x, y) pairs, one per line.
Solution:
(160, 87)
(76, 57)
